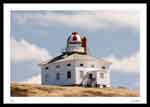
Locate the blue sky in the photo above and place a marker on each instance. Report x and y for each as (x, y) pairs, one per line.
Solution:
(40, 35)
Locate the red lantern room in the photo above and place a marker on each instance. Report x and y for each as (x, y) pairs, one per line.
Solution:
(75, 38)
(76, 43)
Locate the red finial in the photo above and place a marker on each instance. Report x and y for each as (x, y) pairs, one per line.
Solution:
(74, 33)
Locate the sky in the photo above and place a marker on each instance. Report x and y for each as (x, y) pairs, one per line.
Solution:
(41, 35)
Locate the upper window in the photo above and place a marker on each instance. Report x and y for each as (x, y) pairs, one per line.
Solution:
(68, 75)
(92, 66)
(57, 66)
(103, 67)
(46, 68)
(68, 65)
(81, 65)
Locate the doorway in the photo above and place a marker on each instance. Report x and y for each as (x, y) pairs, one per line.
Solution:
(91, 82)
(90, 76)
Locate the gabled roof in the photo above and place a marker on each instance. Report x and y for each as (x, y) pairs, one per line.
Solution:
(75, 57)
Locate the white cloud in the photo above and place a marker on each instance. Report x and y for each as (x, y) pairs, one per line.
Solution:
(87, 20)
(24, 51)
(127, 64)
(36, 79)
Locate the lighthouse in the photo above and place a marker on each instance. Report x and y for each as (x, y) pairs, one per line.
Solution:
(75, 66)
(76, 44)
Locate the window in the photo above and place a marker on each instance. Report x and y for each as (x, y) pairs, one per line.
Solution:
(92, 66)
(57, 66)
(57, 76)
(103, 67)
(102, 75)
(81, 65)
(68, 65)
(46, 68)
(81, 74)
(46, 77)
(68, 75)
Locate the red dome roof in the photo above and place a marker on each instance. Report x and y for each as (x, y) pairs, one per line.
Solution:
(75, 38)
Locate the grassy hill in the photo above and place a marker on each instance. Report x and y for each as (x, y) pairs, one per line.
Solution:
(72, 91)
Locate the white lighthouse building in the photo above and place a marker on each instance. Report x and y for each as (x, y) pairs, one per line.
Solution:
(76, 67)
